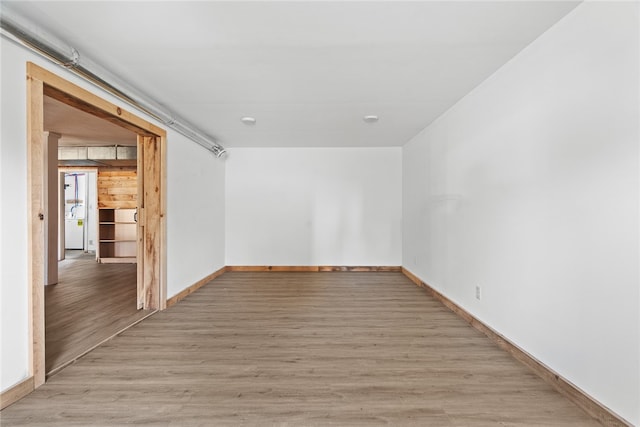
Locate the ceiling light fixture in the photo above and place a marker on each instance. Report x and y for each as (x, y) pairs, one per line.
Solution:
(248, 120)
(370, 119)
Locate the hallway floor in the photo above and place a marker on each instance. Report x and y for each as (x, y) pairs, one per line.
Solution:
(90, 303)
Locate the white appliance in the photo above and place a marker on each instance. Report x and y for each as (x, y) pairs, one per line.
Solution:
(74, 233)
(75, 193)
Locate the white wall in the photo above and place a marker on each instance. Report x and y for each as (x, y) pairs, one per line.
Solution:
(195, 240)
(529, 187)
(195, 201)
(314, 206)
(13, 226)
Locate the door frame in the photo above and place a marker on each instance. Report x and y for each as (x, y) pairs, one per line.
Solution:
(153, 264)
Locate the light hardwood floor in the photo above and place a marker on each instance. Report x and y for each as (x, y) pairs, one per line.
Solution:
(91, 303)
(299, 349)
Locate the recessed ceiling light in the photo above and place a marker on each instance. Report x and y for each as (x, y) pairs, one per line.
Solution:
(248, 120)
(370, 119)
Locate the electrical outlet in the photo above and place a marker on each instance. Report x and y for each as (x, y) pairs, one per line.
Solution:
(91, 242)
(478, 293)
(415, 260)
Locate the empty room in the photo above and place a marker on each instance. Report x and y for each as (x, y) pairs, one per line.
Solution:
(329, 213)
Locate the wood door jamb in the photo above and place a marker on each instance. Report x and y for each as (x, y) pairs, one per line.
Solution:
(41, 82)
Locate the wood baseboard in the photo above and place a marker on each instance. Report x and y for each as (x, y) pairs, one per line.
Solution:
(313, 268)
(17, 392)
(591, 406)
(379, 268)
(191, 289)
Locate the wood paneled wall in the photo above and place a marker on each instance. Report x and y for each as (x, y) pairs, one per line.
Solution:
(117, 188)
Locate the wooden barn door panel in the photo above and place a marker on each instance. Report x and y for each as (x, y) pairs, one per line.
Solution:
(149, 222)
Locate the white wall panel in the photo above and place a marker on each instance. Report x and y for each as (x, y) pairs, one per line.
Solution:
(314, 206)
(529, 187)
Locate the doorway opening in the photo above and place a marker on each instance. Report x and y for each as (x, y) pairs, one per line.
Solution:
(77, 229)
(90, 301)
(140, 256)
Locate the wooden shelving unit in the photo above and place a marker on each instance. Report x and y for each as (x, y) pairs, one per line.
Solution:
(117, 232)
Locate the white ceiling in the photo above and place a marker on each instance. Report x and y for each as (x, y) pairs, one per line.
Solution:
(307, 71)
(78, 128)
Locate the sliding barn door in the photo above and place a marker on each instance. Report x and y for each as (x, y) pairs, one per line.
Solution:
(150, 218)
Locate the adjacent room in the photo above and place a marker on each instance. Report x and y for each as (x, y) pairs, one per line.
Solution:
(91, 248)
(320, 213)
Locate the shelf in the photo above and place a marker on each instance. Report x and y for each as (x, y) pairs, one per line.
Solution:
(119, 222)
(114, 260)
(117, 239)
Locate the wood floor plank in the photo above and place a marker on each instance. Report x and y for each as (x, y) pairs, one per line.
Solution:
(90, 303)
(299, 349)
